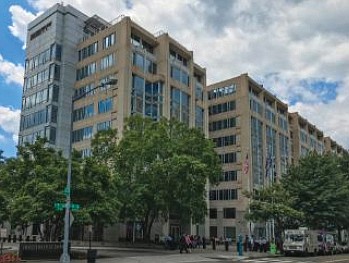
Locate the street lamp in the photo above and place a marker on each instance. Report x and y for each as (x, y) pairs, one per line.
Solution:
(65, 257)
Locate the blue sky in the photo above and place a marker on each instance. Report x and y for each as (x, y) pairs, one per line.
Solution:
(299, 50)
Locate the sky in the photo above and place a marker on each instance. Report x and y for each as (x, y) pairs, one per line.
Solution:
(298, 50)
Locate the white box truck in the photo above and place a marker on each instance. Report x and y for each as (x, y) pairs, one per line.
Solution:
(300, 241)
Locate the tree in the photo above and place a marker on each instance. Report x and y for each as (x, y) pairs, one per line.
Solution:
(34, 181)
(321, 191)
(274, 203)
(3, 200)
(164, 167)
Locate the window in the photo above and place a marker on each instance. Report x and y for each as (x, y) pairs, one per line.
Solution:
(103, 125)
(54, 113)
(180, 75)
(105, 105)
(107, 61)
(143, 63)
(223, 124)
(213, 213)
(178, 58)
(228, 157)
(88, 51)
(82, 134)
(83, 113)
(222, 92)
(199, 94)
(199, 117)
(229, 212)
(147, 97)
(86, 71)
(229, 176)
(223, 194)
(180, 102)
(225, 141)
(223, 107)
(141, 43)
(109, 41)
(40, 31)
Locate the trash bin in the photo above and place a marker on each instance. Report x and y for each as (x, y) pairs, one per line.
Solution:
(91, 255)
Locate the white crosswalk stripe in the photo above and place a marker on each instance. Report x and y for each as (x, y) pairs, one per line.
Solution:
(273, 260)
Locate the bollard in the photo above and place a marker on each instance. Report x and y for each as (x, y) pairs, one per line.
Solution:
(213, 243)
(203, 242)
(226, 245)
(14, 238)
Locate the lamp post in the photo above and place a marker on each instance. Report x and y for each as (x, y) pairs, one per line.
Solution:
(65, 257)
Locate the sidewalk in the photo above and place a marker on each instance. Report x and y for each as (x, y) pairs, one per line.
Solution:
(110, 254)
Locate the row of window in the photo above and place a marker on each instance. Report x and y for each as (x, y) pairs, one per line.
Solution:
(225, 141)
(87, 132)
(88, 51)
(92, 49)
(229, 212)
(222, 92)
(40, 31)
(50, 93)
(87, 70)
(224, 194)
(228, 176)
(48, 114)
(83, 112)
(180, 75)
(82, 134)
(199, 117)
(48, 132)
(228, 157)
(54, 52)
(51, 73)
(222, 107)
(222, 124)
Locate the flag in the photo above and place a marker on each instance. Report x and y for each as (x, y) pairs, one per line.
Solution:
(245, 166)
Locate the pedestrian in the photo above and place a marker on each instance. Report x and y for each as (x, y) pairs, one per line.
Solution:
(183, 244)
(204, 242)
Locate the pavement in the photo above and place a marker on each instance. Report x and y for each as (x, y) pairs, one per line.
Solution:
(156, 255)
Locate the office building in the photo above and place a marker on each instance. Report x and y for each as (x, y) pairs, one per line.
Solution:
(68, 58)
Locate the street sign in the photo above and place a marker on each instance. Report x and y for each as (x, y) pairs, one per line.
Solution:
(66, 191)
(74, 207)
(61, 206)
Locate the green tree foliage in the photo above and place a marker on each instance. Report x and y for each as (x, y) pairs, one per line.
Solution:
(3, 200)
(33, 182)
(164, 167)
(320, 189)
(313, 193)
(274, 202)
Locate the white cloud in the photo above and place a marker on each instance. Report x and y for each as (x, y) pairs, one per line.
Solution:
(9, 120)
(279, 43)
(2, 138)
(20, 20)
(11, 72)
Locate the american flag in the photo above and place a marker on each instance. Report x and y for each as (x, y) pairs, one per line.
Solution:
(245, 166)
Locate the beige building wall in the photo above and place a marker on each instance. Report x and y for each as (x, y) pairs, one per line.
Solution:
(252, 102)
(173, 68)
